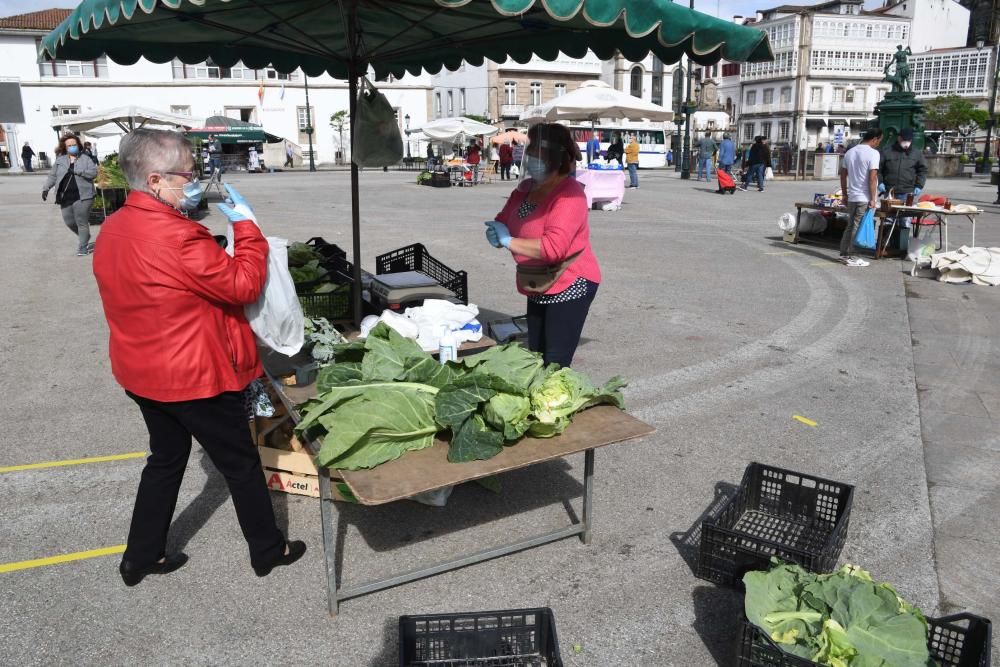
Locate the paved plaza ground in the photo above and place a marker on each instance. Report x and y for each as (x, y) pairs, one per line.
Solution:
(724, 332)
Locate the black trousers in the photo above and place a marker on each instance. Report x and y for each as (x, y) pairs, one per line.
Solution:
(221, 426)
(554, 329)
(505, 171)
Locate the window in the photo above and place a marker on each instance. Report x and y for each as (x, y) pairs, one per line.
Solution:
(656, 96)
(68, 111)
(510, 92)
(437, 104)
(765, 130)
(784, 128)
(461, 101)
(560, 89)
(635, 83)
(731, 69)
(536, 92)
(748, 132)
(451, 103)
(786, 95)
(80, 69)
(768, 95)
(815, 95)
(838, 95)
(859, 96)
(303, 117)
(751, 98)
(182, 110)
(849, 96)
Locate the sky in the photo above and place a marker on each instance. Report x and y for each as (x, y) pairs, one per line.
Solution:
(722, 8)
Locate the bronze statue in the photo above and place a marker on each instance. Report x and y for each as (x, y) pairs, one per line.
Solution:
(900, 80)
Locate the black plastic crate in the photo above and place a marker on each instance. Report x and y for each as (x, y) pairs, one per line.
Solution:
(416, 258)
(775, 512)
(962, 640)
(511, 638)
(325, 248)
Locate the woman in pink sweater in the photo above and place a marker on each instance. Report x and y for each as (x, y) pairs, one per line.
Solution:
(545, 224)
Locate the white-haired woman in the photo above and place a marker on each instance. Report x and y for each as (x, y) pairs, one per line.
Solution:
(181, 347)
(73, 174)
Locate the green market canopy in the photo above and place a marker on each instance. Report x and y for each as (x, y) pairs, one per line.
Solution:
(343, 37)
(232, 131)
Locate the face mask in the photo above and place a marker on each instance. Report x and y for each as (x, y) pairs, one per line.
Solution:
(535, 167)
(905, 145)
(191, 196)
(72, 150)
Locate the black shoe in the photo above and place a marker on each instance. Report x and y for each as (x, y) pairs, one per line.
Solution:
(132, 574)
(295, 550)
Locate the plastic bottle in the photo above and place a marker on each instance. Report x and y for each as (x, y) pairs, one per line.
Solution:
(447, 348)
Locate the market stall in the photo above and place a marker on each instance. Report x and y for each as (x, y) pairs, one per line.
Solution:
(236, 137)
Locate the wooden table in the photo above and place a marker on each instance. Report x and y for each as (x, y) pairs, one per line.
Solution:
(939, 214)
(429, 469)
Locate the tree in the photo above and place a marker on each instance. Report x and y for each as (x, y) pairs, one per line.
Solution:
(340, 121)
(951, 112)
(481, 119)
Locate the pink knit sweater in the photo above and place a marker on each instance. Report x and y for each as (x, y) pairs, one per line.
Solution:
(560, 221)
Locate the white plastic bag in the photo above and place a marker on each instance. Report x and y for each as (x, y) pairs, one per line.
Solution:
(786, 222)
(769, 174)
(277, 317)
(377, 139)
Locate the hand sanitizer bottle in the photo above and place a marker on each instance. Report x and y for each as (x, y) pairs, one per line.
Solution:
(447, 348)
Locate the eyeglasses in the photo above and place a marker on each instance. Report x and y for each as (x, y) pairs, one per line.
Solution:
(188, 175)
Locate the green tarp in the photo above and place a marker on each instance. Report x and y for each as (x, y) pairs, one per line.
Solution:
(394, 37)
(232, 131)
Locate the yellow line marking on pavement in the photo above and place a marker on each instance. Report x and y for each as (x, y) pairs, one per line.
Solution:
(64, 558)
(783, 252)
(74, 462)
(804, 420)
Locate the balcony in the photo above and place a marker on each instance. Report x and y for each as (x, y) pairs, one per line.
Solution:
(774, 107)
(511, 110)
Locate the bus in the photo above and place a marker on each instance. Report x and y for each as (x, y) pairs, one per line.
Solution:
(651, 137)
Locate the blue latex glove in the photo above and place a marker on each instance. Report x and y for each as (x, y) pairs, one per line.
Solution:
(239, 208)
(916, 192)
(235, 198)
(881, 188)
(234, 216)
(503, 236)
(491, 235)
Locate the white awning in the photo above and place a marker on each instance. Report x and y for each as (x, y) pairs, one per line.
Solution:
(125, 118)
(595, 100)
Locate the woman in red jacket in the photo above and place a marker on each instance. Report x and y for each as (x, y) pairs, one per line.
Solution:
(544, 224)
(182, 349)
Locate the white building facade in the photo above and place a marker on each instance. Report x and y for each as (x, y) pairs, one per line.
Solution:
(199, 91)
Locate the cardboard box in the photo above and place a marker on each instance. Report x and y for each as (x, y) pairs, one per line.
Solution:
(295, 472)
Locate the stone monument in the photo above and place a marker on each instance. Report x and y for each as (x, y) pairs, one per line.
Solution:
(900, 107)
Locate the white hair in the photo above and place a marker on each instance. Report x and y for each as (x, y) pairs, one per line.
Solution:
(143, 152)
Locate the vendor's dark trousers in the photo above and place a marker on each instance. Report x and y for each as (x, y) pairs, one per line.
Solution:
(505, 171)
(554, 329)
(221, 427)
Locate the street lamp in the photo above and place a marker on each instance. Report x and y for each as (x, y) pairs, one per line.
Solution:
(406, 119)
(985, 166)
(309, 125)
(55, 110)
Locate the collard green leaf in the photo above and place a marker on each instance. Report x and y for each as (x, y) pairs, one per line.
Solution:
(378, 425)
(457, 402)
(337, 374)
(474, 441)
(511, 367)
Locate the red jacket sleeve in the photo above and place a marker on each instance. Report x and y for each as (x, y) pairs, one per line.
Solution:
(213, 274)
(562, 225)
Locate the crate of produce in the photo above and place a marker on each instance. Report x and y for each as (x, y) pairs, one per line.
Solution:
(962, 640)
(512, 638)
(416, 258)
(333, 305)
(797, 518)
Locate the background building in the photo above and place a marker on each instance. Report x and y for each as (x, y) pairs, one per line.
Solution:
(200, 90)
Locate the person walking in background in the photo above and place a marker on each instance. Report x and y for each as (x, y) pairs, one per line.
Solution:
(473, 157)
(727, 154)
(158, 271)
(89, 149)
(506, 160)
(706, 149)
(859, 186)
(593, 148)
(616, 150)
(289, 154)
(544, 225)
(26, 154)
(518, 152)
(214, 153)
(758, 161)
(632, 160)
(73, 174)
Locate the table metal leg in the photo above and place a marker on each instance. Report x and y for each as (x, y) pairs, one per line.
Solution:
(329, 543)
(588, 493)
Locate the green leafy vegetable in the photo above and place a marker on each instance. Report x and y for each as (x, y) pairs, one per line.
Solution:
(300, 254)
(843, 619)
(384, 396)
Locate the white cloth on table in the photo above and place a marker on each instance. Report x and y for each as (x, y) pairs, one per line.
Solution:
(437, 316)
(980, 266)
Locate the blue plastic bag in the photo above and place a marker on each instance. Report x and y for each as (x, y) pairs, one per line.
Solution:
(865, 238)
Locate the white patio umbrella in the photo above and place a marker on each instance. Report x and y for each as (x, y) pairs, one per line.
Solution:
(126, 118)
(458, 127)
(592, 101)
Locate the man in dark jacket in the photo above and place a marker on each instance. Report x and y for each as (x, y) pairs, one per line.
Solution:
(26, 154)
(903, 169)
(759, 160)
